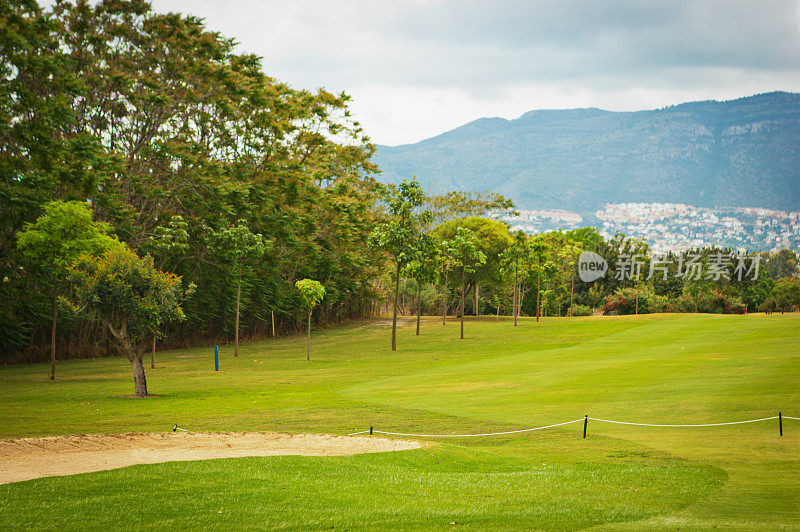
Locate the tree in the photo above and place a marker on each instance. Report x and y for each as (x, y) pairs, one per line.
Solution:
(401, 234)
(168, 241)
(447, 262)
(133, 299)
(311, 292)
(467, 257)
(514, 258)
(56, 241)
(493, 239)
(423, 269)
(785, 295)
(569, 258)
(782, 264)
(237, 247)
(459, 205)
(538, 253)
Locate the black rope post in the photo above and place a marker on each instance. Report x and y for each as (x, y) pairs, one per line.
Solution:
(780, 423)
(370, 431)
(585, 422)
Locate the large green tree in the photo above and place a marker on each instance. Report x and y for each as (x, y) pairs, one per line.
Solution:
(154, 118)
(493, 238)
(56, 240)
(133, 299)
(401, 234)
(467, 256)
(424, 268)
(459, 205)
(235, 249)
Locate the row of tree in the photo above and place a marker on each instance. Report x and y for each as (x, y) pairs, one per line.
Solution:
(436, 265)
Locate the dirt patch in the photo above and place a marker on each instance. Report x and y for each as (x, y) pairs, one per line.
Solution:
(29, 458)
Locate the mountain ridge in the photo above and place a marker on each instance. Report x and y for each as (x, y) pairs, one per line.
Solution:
(741, 152)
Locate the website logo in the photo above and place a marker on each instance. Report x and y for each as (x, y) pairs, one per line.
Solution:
(591, 266)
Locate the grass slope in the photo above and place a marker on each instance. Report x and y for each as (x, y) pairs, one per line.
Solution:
(659, 369)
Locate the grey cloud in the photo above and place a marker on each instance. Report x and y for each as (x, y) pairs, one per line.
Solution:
(472, 44)
(486, 50)
(585, 35)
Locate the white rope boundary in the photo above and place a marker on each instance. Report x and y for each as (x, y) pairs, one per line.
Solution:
(467, 435)
(694, 425)
(568, 423)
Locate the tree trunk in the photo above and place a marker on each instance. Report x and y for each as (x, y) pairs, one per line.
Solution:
(571, 294)
(308, 339)
(394, 312)
(444, 304)
(462, 302)
(403, 298)
(419, 303)
(516, 293)
(53, 335)
(153, 355)
(238, 296)
(538, 284)
(498, 310)
(477, 297)
(139, 380)
(273, 323)
(133, 353)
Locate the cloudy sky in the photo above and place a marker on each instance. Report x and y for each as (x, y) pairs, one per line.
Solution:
(417, 68)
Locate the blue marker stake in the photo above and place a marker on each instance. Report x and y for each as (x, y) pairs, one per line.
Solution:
(216, 358)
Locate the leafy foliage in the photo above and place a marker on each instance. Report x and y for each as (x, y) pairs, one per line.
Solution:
(401, 236)
(133, 299)
(311, 292)
(63, 233)
(130, 294)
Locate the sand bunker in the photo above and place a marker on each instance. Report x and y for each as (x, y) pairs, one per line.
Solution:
(29, 458)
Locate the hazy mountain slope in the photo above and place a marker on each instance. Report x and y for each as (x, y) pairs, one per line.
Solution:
(712, 154)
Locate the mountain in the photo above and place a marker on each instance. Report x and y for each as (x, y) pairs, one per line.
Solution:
(743, 152)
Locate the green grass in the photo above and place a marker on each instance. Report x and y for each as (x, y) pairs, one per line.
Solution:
(658, 369)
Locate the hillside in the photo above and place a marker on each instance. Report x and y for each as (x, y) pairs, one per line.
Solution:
(743, 152)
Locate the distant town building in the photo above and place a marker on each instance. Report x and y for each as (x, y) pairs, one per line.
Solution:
(677, 227)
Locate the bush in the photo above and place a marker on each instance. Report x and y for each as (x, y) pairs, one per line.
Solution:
(709, 302)
(623, 301)
(580, 310)
(682, 304)
(768, 306)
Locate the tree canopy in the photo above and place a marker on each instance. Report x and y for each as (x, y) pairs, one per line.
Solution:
(133, 299)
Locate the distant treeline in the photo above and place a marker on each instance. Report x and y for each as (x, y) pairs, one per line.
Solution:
(541, 273)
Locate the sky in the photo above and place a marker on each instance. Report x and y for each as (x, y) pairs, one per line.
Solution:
(418, 68)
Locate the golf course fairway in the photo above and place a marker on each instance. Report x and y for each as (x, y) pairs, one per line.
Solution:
(655, 369)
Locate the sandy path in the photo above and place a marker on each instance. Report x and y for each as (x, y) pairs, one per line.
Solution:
(29, 458)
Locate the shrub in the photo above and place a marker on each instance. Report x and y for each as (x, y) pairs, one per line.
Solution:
(712, 301)
(580, 310)
(623, 301)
